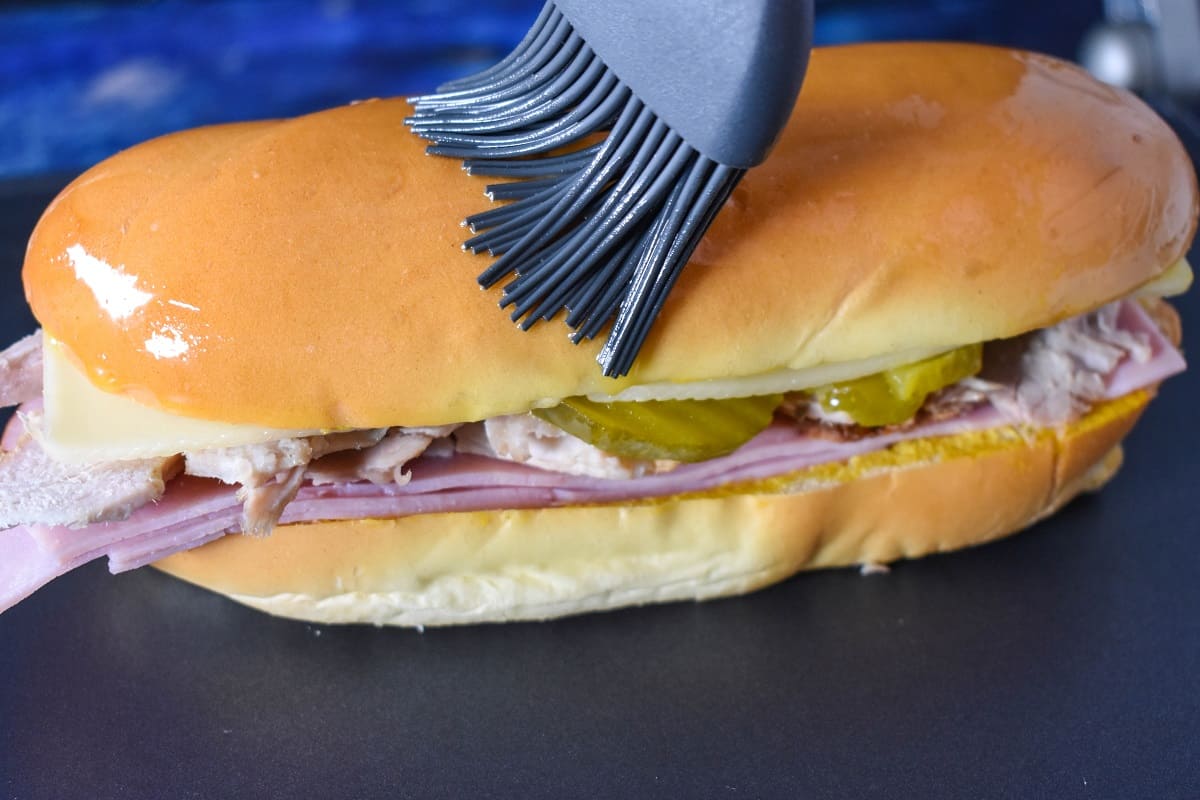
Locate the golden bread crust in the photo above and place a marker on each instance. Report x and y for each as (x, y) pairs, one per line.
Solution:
(310, 269)
(489, 566)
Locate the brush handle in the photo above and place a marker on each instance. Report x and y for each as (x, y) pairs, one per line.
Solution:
(724, 74)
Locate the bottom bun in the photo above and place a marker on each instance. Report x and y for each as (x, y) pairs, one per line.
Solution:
(916, 498)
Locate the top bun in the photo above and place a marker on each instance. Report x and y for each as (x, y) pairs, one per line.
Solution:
(307, 273)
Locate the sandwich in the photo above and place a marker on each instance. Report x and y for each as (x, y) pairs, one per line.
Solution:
(264, 367)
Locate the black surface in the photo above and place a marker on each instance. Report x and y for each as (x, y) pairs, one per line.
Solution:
(1061, 663)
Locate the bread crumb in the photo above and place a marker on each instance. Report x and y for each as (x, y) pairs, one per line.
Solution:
(871, 568)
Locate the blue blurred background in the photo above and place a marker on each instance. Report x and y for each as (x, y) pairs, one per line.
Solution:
(80, 80)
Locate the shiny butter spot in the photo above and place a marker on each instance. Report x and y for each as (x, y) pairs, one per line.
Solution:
(167, 343)
(116, 292)
(181, 304)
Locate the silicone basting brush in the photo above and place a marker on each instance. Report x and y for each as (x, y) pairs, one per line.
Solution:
(621, 128)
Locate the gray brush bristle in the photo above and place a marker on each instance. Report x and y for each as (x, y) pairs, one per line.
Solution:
(599, 230)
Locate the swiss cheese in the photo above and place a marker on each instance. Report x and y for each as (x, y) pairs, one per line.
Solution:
(84, 424)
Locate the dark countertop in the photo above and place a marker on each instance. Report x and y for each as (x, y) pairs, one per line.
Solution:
(1060, 663)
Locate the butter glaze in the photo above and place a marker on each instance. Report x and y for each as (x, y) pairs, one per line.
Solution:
(924, 196)
(115, 291)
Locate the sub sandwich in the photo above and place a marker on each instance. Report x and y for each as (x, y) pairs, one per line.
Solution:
(264, 367)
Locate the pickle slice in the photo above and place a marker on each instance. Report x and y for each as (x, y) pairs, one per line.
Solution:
(679, 430)
(695, 430)
(895, 395)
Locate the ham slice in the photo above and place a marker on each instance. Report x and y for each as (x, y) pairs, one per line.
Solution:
(196, 510)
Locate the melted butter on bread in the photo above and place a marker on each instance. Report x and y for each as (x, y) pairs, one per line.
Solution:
(321, 283)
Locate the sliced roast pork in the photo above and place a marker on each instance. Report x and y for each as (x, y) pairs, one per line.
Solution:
(382, 463)
(34, 488)
(270, 473)
(256, 464)
(526, 439)
(1053, 376)
(263, 505)
(21, 371)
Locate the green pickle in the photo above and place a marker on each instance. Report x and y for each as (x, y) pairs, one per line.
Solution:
(895, 395)
(696, 430)
(679, 430)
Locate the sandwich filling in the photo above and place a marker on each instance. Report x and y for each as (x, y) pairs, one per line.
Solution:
(56, 514)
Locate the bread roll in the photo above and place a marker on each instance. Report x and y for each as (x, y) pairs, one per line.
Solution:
(922, 497)
(923, 196)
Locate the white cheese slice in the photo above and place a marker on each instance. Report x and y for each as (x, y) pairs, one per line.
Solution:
(83, 424)
(787, 380)
(1173, 281)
